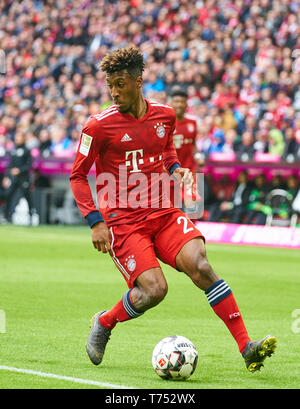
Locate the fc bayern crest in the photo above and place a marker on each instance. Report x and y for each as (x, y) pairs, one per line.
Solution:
(130, 263)
(160, 129)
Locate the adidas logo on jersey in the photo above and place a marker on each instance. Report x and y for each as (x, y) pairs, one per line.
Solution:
(126, 138)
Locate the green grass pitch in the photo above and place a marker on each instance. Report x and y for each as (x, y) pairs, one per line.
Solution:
(52, 281)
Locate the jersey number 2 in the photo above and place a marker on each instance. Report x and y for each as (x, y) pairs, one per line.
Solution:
(185, 224)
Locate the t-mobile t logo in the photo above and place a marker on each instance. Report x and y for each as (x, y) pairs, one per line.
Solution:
(134, 161)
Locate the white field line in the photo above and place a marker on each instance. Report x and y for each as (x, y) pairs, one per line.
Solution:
(64, 378)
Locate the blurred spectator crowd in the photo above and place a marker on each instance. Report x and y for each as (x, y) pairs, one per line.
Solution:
(235, 59)
(252, 200)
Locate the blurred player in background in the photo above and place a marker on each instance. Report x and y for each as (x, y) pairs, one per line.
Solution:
(137, 135)
(184, 139)
(17, 177)
(185, 132)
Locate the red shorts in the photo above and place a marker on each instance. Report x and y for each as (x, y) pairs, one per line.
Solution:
(136, 247)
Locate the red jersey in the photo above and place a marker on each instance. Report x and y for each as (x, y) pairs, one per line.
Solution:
(184, 141)
(130, 154)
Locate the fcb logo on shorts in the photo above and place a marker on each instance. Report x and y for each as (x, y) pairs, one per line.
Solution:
(130, 263)
(160, 129)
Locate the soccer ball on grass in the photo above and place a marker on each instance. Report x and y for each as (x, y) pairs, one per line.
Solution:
(175, 357)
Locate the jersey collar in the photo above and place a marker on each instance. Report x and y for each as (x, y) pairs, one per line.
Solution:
(144, 118)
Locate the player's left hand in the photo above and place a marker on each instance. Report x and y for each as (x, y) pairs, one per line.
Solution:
(185, 176)
(101, 238)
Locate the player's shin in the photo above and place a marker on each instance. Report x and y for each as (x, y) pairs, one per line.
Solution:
(124, 310)
(222, 301)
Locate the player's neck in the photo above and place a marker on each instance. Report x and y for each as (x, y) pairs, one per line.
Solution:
(139, 108)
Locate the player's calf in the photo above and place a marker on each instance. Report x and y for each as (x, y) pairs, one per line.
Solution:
(193, 261)
(151, 288)
(202, 275)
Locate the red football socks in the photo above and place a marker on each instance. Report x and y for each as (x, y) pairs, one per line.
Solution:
(219, 296)
(110, 318)
(224, 305)
(124, 310)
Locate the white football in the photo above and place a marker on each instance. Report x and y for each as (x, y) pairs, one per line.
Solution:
(175, 357)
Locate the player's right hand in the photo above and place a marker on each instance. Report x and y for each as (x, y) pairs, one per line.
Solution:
(101, 238)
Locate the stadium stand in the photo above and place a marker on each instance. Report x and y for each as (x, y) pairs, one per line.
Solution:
(235, 59)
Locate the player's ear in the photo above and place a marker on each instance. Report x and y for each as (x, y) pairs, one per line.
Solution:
(139, 81)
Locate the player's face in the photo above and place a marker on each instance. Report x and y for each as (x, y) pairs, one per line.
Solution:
(124, 89)
(179, 104)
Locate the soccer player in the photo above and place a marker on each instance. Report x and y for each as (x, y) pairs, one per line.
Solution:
(184, 139)
(185, 132)
(134, 137)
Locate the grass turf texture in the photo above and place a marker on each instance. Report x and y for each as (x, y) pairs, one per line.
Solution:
(52, 281)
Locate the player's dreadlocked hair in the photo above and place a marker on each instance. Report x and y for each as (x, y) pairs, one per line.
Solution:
(128, 58)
